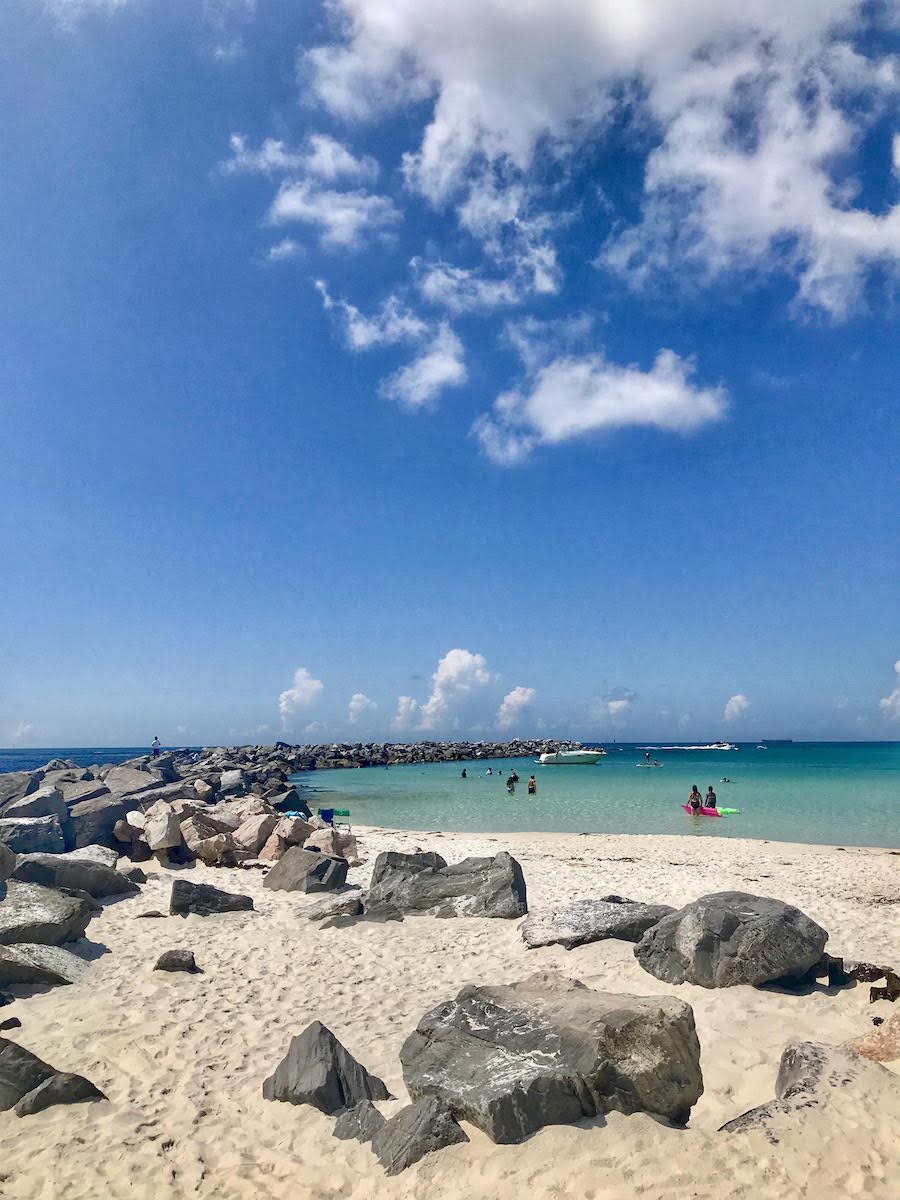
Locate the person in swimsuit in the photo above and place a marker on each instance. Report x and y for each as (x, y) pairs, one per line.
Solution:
(532, 786)
(695, 800)
(511, 786)
(710, 801)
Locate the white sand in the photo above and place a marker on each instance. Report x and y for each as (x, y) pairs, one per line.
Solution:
(182, 1058)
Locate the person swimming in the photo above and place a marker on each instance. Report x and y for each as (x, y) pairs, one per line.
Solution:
(695, 800)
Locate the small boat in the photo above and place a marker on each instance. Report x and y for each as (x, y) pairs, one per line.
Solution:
(571, 758)
(761, 747)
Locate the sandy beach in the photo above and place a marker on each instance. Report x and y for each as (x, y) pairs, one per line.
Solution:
(182, 1058)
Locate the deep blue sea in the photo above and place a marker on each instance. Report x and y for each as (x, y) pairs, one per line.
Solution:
(838, 793)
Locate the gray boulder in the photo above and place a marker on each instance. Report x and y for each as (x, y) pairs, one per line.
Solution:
(231, 783)
(361, 1122)
(23, 1074)
(62, 1088)
(88, 789)
(45, 802)
(300, 870)
(345, 904)
(27, 835)
(591, 921)
(318, 1070)
(126, 781)
(549, 1051)
(16, 784)
(29, 963)
(813, 1075)
(162, 829)
(64, 871)
(7, 862)
(730, 938)
(31, 913)
(106, 856)
(415, 1131)
(397, 862)
(203, 899)
(177, 960)
(91, 822)
(476, 887)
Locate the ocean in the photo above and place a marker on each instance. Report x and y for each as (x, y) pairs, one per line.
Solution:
(831, 793)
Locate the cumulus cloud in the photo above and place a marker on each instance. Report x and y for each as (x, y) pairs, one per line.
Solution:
(457, 675)
(22, 731)
(576, 396)
(756, 109)
(890, 705)
(513, 705)
(389, 325)
(303, 693)
(736, 707)
(439, 365)
(323, 157)
(359, 704)
(619, 702)
(342, 218)
(406, 715)
(315, 729)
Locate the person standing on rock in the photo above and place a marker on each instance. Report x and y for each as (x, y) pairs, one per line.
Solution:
(155, 747)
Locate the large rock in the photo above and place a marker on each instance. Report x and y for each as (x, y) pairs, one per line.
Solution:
(415, 1131)
(26, 835)
(177, 960)
(359, 1123)
(28, 1084)
(731, 938)
(318, 1070)
(476, 887)
(203, 899)
(300, 870)
(591, 921)
(45, 802)
(398, 862)
(812, 1075)
(91, 822)
(31, 913)
(126, 781)
(16, 784)
(89, 789)
(881, 1044)
(325, 841)
(549, 1051)
(253, 833)
(232, 783)
(30, 963)
(106, 856)
(66, 871)
(7, 862)
(162, 829)
(207, 838)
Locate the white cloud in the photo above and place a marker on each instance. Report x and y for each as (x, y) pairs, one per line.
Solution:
(575, 397)
(286, 248)
(756, 107)
(22, 731)
(393, 322)
(460, 289)
(457, 675)
(513, 705)
(324, 158)
(736, 707)
(304, 692)
(619, 702)
(315, 729)
(439, 365)
(359, 704)
(406, 715)
(890, 705)
(342, 218)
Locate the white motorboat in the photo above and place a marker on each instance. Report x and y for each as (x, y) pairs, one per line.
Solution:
(571, 758)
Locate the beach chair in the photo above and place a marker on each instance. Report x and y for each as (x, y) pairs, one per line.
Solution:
(331, 815)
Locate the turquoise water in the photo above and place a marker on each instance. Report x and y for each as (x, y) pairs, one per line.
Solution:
(832, 793)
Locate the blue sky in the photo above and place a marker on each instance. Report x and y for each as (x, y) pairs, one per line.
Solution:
(513, 369)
